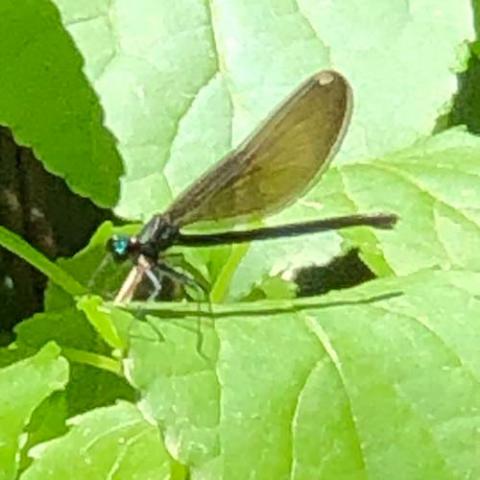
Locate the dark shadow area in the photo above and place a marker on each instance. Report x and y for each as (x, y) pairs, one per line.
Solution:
(345, 271)
(41, 208)
(466, 105)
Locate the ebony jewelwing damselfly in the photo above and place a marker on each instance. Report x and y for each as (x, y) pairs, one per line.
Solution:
(281, 161)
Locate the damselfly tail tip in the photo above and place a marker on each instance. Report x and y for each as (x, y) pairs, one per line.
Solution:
(385, 221)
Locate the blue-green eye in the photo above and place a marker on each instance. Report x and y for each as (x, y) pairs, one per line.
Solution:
(119, 245)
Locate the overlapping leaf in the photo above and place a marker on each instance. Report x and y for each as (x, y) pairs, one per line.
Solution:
(380, 381)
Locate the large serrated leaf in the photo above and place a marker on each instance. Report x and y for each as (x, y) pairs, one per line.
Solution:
(433, 187)
(182, 84)
(378, 382)
(48, 104)
(110, 442)
(23, 387)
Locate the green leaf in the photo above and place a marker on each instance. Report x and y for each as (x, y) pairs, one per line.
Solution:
(182, 84)
(20, 247)
(115, 442)
(376, 382)
(73, 332)
(101, 321)
(68, 328)
(380, 380)
(88, 388)
(23, 387)
(91, 387)
(48, 421)
(48, 103)
(15, 353)
(432, 186)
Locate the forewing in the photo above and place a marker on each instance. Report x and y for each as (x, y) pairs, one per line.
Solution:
(279, 162)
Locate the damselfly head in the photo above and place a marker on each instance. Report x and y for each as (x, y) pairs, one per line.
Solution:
(122, 247)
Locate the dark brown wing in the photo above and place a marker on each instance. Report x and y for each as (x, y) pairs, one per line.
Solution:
(279, 162)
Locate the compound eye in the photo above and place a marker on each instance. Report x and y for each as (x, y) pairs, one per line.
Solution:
(119, 246)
